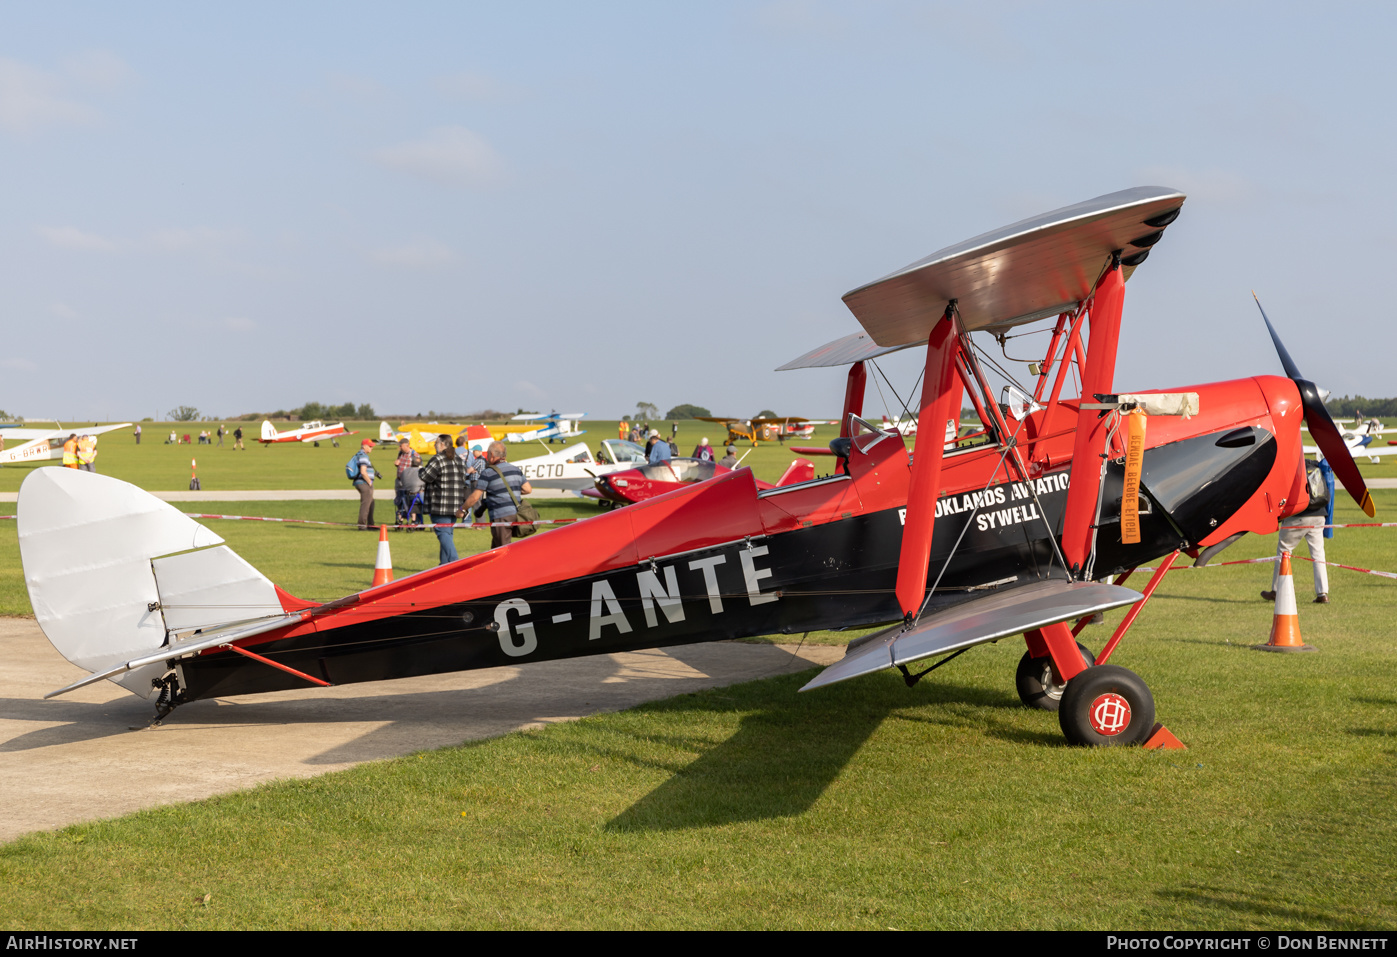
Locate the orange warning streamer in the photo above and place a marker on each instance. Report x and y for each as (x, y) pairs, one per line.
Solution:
(1134, 462)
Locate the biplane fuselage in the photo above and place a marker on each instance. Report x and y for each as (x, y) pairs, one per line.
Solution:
(722, 559)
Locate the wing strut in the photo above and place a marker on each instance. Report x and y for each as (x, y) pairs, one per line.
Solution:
(1079, 515)
(941, 395)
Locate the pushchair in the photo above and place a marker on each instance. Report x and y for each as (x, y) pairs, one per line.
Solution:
(407, 499)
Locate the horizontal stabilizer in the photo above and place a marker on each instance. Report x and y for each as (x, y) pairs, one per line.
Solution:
(1011, 611)
(211, 587)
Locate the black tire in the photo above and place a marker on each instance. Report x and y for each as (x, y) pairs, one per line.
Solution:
(1091, 711)
(1035, 683)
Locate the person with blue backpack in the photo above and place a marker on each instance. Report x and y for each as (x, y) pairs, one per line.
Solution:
(360, 470)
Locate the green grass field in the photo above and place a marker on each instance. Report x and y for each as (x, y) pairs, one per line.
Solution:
(864, 805)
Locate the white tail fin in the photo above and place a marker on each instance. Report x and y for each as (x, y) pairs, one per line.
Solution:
(385, 432)
(268, 430)
(113, 575)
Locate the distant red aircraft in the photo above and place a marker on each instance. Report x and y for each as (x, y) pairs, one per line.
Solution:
(647, 481)
(310, 432)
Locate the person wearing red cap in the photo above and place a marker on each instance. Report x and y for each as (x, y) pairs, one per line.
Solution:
(361, 469)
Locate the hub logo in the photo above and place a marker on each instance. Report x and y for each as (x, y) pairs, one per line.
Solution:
(1110, 714)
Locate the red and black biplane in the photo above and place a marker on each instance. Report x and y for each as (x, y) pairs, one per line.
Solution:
(1016, 529)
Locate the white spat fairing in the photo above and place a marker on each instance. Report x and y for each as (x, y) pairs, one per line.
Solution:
(87, 543)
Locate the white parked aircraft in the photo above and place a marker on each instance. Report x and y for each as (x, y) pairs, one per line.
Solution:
(1358, 443)
(34, 445)
(310, 432)
(574, 468)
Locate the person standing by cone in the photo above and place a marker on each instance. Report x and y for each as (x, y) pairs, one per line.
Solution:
(1307, 526)
(361, 468)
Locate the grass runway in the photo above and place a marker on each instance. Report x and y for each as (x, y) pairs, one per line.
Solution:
(864, 805)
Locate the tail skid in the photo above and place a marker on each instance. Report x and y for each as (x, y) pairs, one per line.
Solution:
(121, 582)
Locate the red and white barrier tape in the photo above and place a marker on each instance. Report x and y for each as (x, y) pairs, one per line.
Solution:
(1353, 568)
(1268, 561)
(309, 521)
(306, 521)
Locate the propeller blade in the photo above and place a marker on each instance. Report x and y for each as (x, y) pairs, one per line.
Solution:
(1287, 362)
(1331, 442)
(1322, 428)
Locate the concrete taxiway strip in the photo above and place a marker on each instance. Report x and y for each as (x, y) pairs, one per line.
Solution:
(75, 758)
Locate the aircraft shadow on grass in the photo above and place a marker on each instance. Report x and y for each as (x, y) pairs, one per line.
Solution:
(77, 720)
(1250, 903)
(784, 756)
(497, 702)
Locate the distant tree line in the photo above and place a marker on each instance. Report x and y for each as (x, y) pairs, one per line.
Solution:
(311, 410)
(1347, 408)
(649, 410)
(432, 415)
(686, 411)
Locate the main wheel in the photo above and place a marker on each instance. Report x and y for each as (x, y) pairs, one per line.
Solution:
(1107, 705)
(1037, 685)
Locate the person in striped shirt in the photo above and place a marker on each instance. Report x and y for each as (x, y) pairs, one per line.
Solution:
(500, 498)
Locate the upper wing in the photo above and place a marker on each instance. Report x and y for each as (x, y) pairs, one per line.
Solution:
(1028, 270)
(26, 435)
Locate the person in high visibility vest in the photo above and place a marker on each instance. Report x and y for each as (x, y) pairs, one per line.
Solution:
(70, 452)
(87, 453)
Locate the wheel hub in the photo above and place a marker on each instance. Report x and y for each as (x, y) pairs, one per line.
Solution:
(1052, 687)
(1109, 714)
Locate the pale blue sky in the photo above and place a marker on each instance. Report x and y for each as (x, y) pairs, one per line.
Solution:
(249, 207)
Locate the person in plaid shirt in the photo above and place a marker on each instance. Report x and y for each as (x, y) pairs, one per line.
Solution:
(445, 479)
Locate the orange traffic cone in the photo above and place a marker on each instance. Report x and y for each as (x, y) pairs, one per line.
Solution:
(383, 565)
(1285, 627)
